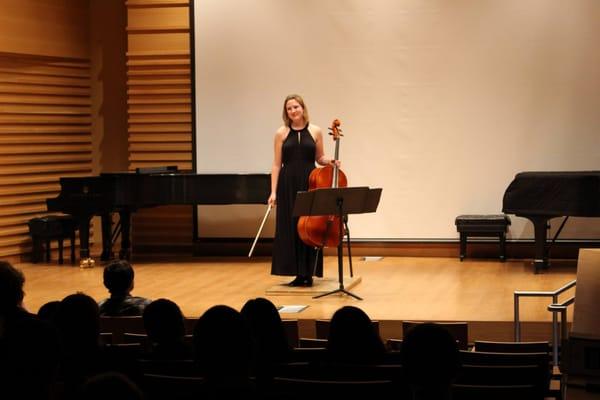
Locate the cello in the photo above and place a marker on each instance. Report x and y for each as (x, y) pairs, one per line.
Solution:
(322, 230)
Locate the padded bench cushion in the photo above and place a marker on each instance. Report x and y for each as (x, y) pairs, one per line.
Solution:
(52, 226)
(482, 223)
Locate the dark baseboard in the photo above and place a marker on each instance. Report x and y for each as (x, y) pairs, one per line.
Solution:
(231, 247)
(476, 248)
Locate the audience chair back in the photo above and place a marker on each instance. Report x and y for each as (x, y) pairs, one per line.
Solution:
(119, 325)
(312, 388)
(124, 351)
(393, 344)
(139, 338)
(540, 361)
(490, 358)
(312, 343)
(491, 392)
(189, 324)
(506, 375)
(161, 387)
(322, 328)
(342, 372)
(106, 338)
(145, 341)
(169, 367)
(459, 330)
(291, 330)
(512, 347)
(307, 354)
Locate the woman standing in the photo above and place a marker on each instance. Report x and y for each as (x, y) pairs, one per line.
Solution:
(298, 145)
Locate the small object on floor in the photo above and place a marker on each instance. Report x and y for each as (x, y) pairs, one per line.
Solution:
(372, 258)
(291, 308)
(87, 263)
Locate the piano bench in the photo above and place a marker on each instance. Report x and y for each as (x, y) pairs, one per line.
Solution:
(52, 227)
(495, 225)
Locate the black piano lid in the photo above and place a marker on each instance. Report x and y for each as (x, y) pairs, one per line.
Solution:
(554, 193)
(92, 194)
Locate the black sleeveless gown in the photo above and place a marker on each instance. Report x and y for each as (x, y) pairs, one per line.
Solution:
(290, 255)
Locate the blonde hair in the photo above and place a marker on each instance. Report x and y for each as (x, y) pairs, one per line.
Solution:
(298, 98)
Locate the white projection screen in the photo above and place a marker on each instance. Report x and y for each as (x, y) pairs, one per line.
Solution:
(441, 102)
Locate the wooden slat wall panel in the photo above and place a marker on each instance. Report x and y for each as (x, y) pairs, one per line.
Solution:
(159, 111)
(45, 27)
(45, 133)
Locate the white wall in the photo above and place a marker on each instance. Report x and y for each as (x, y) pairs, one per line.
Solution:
(441, 102)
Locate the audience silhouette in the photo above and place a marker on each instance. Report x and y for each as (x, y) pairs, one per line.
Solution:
(165, 325)
(47, 311)
(222, 349)
(28, 345)
(57, 353)
(353, 339)
(430, 357)
(118, 279)
(269, 340)
(78, 324)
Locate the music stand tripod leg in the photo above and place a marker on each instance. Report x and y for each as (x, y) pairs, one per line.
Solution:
(340, 252)
(349, 250)
(341, 279)
(338, 291)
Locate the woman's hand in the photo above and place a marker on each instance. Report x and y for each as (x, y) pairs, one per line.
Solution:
(272, 200)
(324, 161)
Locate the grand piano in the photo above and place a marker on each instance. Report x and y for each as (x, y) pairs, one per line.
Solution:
(84, 197)
(541, 196)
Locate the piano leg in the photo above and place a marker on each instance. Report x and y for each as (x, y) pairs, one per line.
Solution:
(84, 236)
(37, 251)
(125, 252)
(540, 224)
(106, 237)
(73, 246)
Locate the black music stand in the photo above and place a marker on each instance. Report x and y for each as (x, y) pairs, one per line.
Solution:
(340, 202)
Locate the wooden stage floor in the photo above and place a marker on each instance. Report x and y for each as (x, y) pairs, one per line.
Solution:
(393, 289)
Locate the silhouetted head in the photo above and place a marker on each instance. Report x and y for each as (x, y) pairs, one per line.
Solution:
(110, 385)
(430, 357)
(266, 329)
(222, 343)
(11, 287)
(118, 277)
(78, 322)
(164, 321)
(48, 311)
(353, 338)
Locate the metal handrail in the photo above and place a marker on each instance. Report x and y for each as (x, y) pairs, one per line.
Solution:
(564, 331)
(535, 293)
